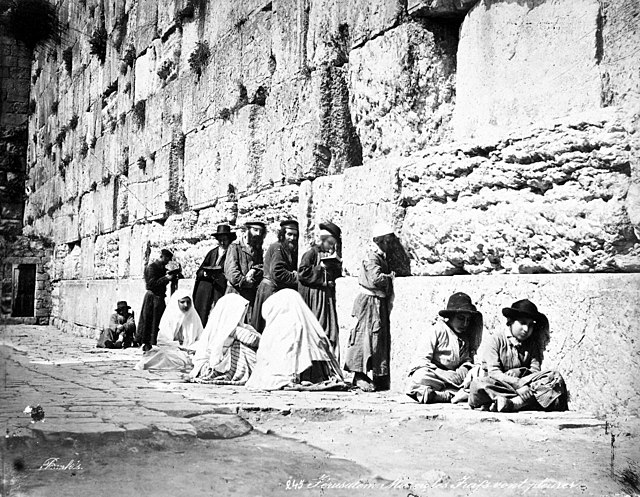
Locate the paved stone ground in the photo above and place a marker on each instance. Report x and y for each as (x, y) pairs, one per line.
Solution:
(96, 395)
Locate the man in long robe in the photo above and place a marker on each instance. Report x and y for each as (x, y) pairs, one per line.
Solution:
(210, 281)
(121, 330)
(512, 360)
(243, 267)
(369, 348)
(319, 268)
(153, 305)
(280, 269)
(450, 349)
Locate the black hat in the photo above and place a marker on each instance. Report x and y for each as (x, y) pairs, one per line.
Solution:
(459, 302)
(290, 223)
(331, 228)
(225, 230)
(122, 304)
(522, 308)
(167, 253)
(256, 223)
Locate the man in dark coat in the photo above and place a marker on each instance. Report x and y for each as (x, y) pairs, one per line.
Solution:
(210, 281)
(153, 305)
(319, 268)
(280, 269)
(121, 330)
(243, 266)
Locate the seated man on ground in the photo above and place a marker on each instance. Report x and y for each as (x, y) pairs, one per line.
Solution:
(295, 352)
(225, 354)
(180, 328)
(451, 345)
(513, 358)
(121, 330)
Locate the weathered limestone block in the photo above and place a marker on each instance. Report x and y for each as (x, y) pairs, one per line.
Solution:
(224, 211)
(124, 252)
(320, 200)
(146, 12)
(521, 62)
(289, 25)
(402, 88)
(551, 201)
(370, 196)
(439, 8)
(87, 257)
(235, 150)
(150, 192)
(106, 256)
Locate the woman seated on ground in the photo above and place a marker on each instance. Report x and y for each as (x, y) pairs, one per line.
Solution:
(226, 351)
(513, 360)
(294, 351)
(180, 328)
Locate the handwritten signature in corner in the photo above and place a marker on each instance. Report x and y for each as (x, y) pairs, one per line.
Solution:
(52, 464)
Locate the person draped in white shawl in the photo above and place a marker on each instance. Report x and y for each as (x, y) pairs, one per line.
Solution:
(226, 351)
(295, 352)
(180, 328)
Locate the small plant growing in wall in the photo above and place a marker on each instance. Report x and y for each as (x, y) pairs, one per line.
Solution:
(92, 143)
(224, 114)
(94, 186)
(66, 160)
(73, 122)
(47, 149)
(98, 44)
(121, 30)
(128, 59)
(139, 113)
(142, 163)
(113, 124)
(67, 57)
(61, 136)
(199, 58)
(61, 170)
(84, 148)
(32, 107)
(165, 69)
(123, 118)
(106, 179)
(54, 107)
(124, 167)
(127, 88)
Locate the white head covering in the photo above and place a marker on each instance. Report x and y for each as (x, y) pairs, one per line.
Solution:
(223, 320)
(291, 340)
(381, 229)
(174, 319)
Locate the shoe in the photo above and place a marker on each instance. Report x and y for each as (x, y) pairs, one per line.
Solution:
(108, 344)
(363, 383)
(504, 405)
(459, 397)
(146, 347)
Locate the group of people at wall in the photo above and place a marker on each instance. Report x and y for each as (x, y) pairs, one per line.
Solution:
(267, 322)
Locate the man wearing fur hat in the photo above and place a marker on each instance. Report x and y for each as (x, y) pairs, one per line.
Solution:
(448, 357)
(513, 359)
(369, 349)
(280, 269)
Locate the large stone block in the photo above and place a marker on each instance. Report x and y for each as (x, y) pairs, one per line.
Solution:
(402, 88)
(551, 201)
(522, 62)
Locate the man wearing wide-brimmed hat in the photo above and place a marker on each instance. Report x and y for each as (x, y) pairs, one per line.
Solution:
(210, 281)
(280, 269)
(448, 357)
(319, 268)
(513, 359)
(369, 348)
(156, 279)
(121, 330)
(243, 267)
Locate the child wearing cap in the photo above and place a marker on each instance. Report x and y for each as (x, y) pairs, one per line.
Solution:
(448, 357)
(513, 359)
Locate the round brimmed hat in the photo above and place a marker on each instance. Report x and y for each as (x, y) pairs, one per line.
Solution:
(522, 308)
(459, 302)
(259, 224)
(382, 229)
(333, 229)
(225, 230)
(291, 224)
(122, 304)
(167, 253)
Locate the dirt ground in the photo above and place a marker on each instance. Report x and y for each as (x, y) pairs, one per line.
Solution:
(316, 453)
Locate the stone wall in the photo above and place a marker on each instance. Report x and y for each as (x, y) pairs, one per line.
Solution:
(591, 342)
(499, 137)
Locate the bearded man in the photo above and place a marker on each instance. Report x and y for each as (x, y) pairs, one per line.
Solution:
(280, 269)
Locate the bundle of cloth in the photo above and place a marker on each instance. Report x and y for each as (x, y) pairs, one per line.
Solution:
(295, 352)
(180, 329)
(225, 354)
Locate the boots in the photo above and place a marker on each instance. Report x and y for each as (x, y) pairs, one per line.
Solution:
(433, 397)
(513, 404)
